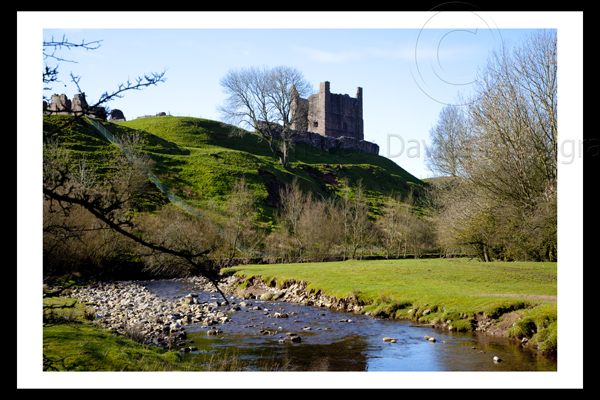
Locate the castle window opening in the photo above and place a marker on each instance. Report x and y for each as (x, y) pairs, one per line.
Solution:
(316, 124)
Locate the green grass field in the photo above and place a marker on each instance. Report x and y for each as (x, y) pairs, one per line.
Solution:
(200, 160)
(78, 345)
(453, 290)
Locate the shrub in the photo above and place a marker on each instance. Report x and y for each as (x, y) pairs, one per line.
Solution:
(463, 325)
(387, 306)
(134, 332)
(523, 328)
(89, 313)
(546, 339)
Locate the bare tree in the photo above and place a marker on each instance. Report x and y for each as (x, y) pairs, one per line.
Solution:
(179, 242)
(293, 203)
(239, 230)
(72, 236)
(317, 228)
(514, 120)
(50, 72)
(400, 229)
(307, 227)
(353, 212)
(448, 142)
(388, 225)
(109, 201)
(260, 99)
(503, 203)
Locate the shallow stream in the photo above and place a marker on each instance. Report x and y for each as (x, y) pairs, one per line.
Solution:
(330, 343)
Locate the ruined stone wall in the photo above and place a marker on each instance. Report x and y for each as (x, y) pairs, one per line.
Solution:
(333, 115)
(299, 110)
(343, 116)
(60, 104)
(328, 120)
(325, 143)
(316, 110)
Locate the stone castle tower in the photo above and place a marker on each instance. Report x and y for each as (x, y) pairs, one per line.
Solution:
(330, 114)
(328, 120)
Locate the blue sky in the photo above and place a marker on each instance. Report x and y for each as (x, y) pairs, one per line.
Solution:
(407, 74)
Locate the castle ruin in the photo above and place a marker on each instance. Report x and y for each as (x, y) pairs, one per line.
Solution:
(60, 104)
(328, 120)
(330, 114)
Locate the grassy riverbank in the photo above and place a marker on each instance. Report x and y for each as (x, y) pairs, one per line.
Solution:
(517, 298)
(72, 343)
(520, 297)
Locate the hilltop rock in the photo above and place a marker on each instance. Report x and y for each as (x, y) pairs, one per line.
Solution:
(117, 116)
(59, 104)
(79, 104)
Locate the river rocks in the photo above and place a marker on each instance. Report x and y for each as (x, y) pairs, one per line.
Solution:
(129, 308)
(431, 339)
(291, 337)
(289, 291)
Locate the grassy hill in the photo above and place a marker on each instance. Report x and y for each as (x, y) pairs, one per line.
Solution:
(198, 160)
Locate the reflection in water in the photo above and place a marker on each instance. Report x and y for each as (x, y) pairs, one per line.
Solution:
(329, 343)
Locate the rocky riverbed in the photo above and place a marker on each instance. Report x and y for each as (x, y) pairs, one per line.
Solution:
(128, 307)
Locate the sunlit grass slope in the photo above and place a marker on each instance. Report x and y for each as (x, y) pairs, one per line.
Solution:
(199, 161)
(203, 160)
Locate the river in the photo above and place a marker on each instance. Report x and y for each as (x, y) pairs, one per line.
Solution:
(339, 341)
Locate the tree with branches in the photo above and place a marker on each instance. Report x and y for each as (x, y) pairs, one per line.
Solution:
(503, 201)
(66, 185)
(261, 99)
(449, 139)
(50, 75)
